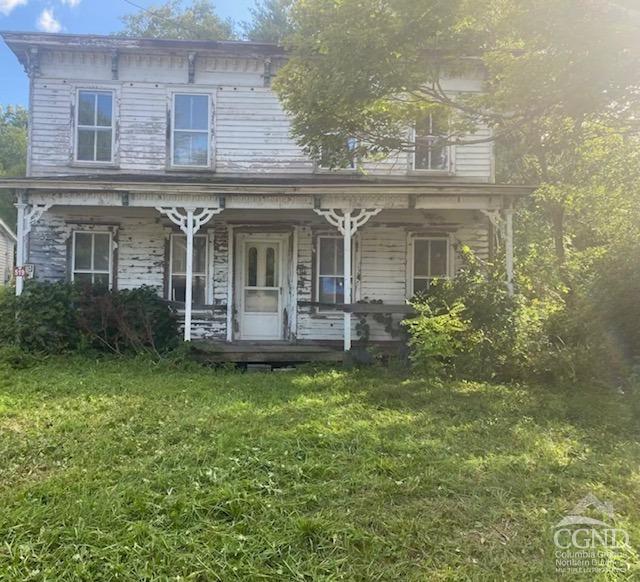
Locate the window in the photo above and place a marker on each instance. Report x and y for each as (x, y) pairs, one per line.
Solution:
(430, 261)
(94, 139)
(431, 153)
(331, 150)
(92, 258)
(330, 280)
(178, 269)
(191, 131)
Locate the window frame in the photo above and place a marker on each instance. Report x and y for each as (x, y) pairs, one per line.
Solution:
(172, 130)
(411, 263)
(329, 311)
(204, 274)
(94, 128)
(449, 170)
(92, 271)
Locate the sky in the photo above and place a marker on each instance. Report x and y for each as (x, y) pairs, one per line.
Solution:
(74, 17)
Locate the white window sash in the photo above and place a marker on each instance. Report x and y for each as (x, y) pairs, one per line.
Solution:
(95, 128)
(174, 130)
(428, 277)
(92, 271)
(195, 273)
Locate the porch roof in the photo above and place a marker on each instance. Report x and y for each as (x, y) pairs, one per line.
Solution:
(299, 184)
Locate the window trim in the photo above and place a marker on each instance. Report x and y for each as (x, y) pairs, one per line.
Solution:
(172, 131)
(92, 271)
(411, 263)
(77, 127)
(448, 171)
(204, 274)
(329, 311)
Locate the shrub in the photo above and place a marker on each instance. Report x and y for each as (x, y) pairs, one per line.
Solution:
(42, 319)
(131, 320)
(435, 338)
(59, 317)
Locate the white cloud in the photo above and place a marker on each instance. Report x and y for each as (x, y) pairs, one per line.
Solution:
(47, 21)
(7, 6)
(71, 3)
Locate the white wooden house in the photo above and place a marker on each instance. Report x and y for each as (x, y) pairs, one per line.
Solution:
(7, 252)
(170, 163)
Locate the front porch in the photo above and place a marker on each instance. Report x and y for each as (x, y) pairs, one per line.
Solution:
(257, 266)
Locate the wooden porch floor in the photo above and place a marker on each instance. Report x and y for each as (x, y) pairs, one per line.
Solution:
(266, 352)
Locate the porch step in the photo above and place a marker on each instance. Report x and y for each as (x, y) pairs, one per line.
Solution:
(250, 352)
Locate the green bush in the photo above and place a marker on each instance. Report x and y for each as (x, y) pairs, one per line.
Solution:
(60, 317)
(435, 338)
(42, 319)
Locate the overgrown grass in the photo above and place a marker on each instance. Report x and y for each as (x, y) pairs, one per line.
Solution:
(124, 470)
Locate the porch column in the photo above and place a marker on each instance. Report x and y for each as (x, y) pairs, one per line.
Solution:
(347, 278)
(508, 248)
(347, 222)
(28, 215)
(190, 221)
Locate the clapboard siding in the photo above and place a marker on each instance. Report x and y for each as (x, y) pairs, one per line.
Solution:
(251, 132)
(7, 247)
(380, 266)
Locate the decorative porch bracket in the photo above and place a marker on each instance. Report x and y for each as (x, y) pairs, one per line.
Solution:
(190, 221)
(502, 221)
(28, 215)
(347, 222)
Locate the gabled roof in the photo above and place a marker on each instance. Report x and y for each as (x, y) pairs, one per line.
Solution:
(4, 229)
(21, 42)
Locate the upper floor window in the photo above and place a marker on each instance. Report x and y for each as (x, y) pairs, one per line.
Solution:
(431, 151)
(333, 154)
(191, 133)
(95, 135)
(92, 258)
(430, 261)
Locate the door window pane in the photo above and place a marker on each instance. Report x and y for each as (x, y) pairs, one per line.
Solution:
(262, 301)
(252, 267)
(270, 268)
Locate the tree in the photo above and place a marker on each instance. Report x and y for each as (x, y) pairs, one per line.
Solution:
(270, 21)
(13, 153)
(553, 71)
(198, 21)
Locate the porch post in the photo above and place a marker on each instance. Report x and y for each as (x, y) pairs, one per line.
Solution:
(508, 215)
(347, 278)
(347, 224)
(28, 215)
(20, 244)
(189, 223)
(188, 294)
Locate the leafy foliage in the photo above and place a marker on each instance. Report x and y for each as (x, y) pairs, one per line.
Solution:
(435, 337)
(197, 21)
(60, 317)
(270, 21)
(13, 154)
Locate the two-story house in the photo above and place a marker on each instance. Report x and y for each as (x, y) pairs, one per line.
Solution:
(171, 164)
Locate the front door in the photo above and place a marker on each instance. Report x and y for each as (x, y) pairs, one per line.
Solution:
(261, 296)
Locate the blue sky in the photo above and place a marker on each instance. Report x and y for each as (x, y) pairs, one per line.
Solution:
(72, 16)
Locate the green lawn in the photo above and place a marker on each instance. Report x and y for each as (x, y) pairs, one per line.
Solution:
(125, 470)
